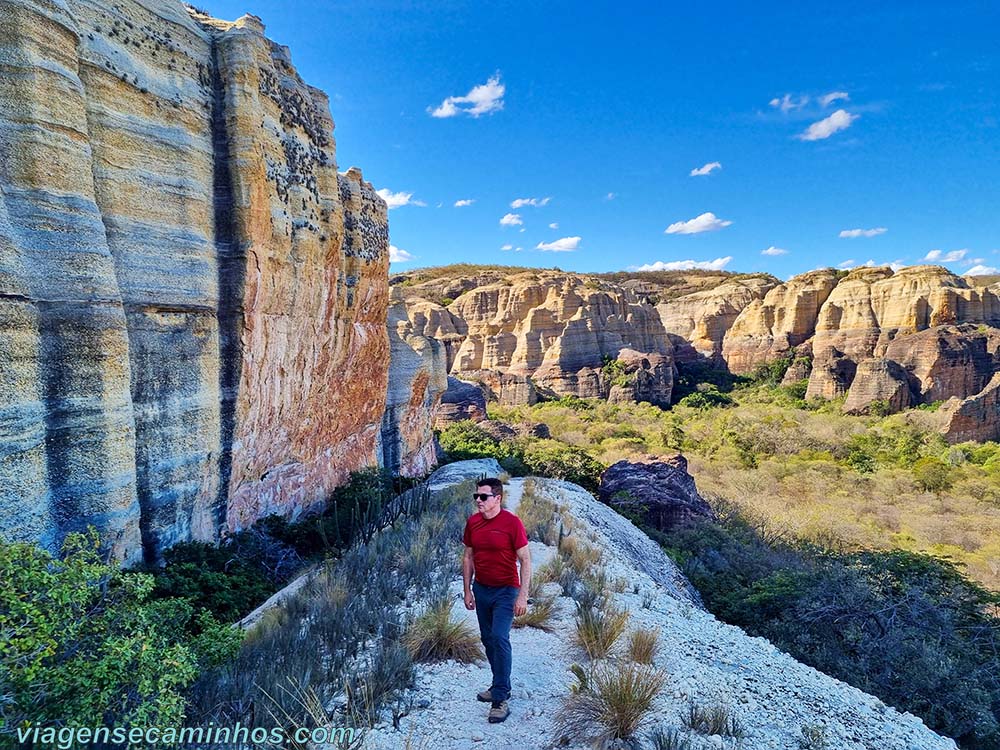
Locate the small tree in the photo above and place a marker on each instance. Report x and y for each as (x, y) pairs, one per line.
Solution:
(81, 645)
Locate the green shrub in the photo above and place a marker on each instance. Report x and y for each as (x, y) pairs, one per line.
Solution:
(932, 474)
(706, 397)
(614, 372)
(771, 373)
(550, 458)
(81, 643)
(906, 627)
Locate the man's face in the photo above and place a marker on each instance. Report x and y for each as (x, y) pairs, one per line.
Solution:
(485, 499)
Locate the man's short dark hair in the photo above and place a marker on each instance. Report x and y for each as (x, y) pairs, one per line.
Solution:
(495, 485)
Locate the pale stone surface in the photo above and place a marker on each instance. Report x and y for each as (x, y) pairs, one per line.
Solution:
(703, 318)
(196, 300)
(418, 377)
(879, 380)
(771, 327)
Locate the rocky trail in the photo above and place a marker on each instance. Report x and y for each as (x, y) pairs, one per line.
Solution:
(771, 694)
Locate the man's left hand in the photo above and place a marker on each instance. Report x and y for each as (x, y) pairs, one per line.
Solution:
(521, 605)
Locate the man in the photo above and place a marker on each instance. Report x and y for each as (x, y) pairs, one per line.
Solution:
(495, 540)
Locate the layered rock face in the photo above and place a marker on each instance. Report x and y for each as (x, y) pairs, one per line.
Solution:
(552, 332)
(418, 378)
(193, 300)
(699, 322)
(772, 327)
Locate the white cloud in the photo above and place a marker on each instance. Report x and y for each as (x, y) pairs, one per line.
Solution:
(398, 256)
(685, 265)
(521, 202)
(507, 247)
(939, 256)
(774, 251)
(974, 261)
(706, 169)
(707, 222)
(827, 99)
(851, 264)
(896, 265)
(855, 233)
(395, 200)
(563, 245)
(518, 249)
(787, 103)
(554, 225)
(511, 220)
(982, 271)
(464, 202)
(839, 120)
(483, 99)
(610, 196)
(522, 229)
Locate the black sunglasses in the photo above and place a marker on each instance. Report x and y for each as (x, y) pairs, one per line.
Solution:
(479, 496)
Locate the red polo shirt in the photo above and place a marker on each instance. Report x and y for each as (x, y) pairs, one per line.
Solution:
(494, 542)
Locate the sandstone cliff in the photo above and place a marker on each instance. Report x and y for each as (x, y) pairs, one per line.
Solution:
(193, 300)
(551, 332)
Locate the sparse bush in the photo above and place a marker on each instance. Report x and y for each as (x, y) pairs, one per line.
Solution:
(670, 739)
(643, 645)
(714, 718)
(611, 704)
(539, 615)
(598, 629)
(434, 636)
(813, 737)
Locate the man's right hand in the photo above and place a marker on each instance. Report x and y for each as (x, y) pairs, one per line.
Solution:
(470, 600)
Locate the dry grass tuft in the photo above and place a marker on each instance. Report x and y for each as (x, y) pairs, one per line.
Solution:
(643, 645)
(539, 615)
(434, 636)
(716, 718)
(611, 706)
(598, 629)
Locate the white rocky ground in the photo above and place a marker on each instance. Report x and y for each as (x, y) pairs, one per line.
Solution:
(772, 694)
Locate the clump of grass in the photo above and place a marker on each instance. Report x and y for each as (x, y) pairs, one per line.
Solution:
(671, 739)
(434, 636)
(539, 515)
(598, 629)
(539, 615)
(714, 718)
(580, 556)
(643, 645)
(813, 737)
(609, 704)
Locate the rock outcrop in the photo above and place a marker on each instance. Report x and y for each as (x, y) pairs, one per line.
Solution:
(418, 377)
(552, 333)
(460, 401)
(660, 491)
(193, 299)
(700, 321)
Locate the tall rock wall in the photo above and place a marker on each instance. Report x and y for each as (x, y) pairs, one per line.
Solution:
(193, 300)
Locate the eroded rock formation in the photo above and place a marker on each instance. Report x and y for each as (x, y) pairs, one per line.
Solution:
(553, 333)
(193, 300)
(660, 491)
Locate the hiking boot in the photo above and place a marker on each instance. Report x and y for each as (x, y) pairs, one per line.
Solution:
(498, 712)
(485, 697)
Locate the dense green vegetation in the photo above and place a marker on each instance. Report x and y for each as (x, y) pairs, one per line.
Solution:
(84, 645)
(907, 627)
(865, 482)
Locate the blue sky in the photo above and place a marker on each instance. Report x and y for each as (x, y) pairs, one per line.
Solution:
(878, 117)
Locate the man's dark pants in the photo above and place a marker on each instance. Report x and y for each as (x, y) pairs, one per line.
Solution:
(495, 610)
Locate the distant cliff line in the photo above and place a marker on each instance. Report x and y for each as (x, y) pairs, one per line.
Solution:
(918, 335)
